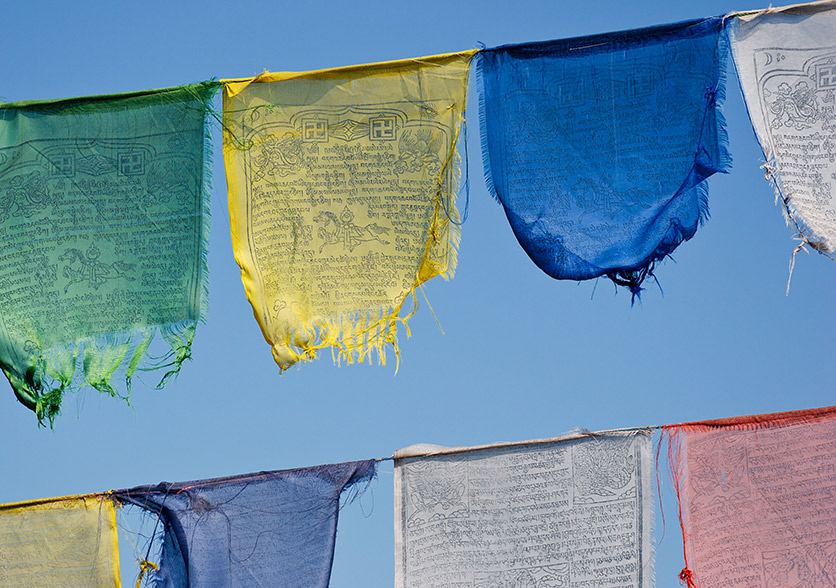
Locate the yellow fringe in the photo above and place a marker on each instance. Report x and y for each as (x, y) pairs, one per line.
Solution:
(144, 566)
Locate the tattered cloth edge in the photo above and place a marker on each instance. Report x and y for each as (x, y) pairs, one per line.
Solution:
(42, 387)
(359, 334)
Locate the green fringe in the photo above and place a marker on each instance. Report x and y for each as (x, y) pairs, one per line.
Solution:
(49, 376)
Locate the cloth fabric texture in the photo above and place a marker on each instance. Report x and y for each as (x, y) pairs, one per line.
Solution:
(342, 187)
(572, 512)
(598, 147)
(104, 220)
(757, 499)
(786, 63)
(68, 541)
(265, 529)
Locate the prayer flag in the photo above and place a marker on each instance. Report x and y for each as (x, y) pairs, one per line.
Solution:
(265, 529)
(104, 222)
(342, 187)
(598, 147)
(786, 62)
(67, 541)
(757, 499)
(570, 512)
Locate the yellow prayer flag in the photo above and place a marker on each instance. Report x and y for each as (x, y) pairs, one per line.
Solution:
(69, 541)
(342, 187)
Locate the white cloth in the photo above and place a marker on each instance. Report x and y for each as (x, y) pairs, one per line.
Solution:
(786, 60)
(575, 512)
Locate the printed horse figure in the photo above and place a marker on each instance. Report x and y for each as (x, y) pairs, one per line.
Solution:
(342, 229)
(87, 268)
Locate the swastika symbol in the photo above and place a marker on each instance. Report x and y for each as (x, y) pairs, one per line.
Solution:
(827, 76)
(131, 164)
(382, 129)
(315, 130)
(63, 165)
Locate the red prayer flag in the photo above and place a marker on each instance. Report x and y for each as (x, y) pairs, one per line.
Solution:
(757, 499)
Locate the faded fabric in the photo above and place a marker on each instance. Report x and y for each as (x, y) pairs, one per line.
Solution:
(598, 147)
(104, 223)
(786, 61)
(572, 512)
(69, 542)
(265, 529)
(342, 187)
(757, 499)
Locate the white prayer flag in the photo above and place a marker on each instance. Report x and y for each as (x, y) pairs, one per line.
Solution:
(573, 512)
(786, 60)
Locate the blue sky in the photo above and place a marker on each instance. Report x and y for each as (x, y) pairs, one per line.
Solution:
(522, 356)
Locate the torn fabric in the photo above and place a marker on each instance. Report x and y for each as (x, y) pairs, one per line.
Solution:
(69, 541)
(104, 220)
(598, 147)
(786, 62)
(575, 512)
(342, 187)
(757, 499)
(265, 529)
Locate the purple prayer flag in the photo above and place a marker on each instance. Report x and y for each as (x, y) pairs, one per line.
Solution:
(264, 529)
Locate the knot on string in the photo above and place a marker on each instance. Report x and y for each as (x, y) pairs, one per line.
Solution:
(768, 170)
(711, 95)
(434, 236)
(144, 566)
(686, 578)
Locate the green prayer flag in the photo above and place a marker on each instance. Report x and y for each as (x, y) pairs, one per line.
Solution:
(103, 225)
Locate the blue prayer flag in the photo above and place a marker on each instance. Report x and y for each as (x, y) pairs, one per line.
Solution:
(598, 147)
(265, 529)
